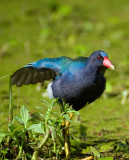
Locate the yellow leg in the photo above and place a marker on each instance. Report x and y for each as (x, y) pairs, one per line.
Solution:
(66, 137)
(67, 143)
(67, 140)
(70, 117)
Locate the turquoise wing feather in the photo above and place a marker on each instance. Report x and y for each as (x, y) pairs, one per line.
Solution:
(45, 69)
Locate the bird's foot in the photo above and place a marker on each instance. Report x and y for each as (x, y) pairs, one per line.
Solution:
(67, 150)
(66, 136)
(88, 158)
(67, 142)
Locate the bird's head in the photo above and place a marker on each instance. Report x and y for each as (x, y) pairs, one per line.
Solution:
(100, 58)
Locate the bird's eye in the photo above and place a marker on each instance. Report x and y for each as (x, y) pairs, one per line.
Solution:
(99, 57)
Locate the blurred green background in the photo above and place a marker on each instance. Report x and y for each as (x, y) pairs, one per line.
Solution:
(32, 30)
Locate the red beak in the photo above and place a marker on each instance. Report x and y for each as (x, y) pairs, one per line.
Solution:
(108, 64)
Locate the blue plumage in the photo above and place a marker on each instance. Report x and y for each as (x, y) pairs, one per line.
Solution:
(78, 81)
(103, 54)
(59, 64)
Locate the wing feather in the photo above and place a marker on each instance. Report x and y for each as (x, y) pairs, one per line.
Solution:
(21, 80)
(29, 75)
(40, 71)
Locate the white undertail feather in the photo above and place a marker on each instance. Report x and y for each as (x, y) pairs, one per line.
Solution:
(49, 90)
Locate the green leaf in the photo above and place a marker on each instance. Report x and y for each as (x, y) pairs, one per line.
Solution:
(86, 151)
(36, 128)
(19, 120)
(5, 151)
(95, 152)
(106, 158)
(106, 147)
(54, 101)
(25, 115)
(66, 117)
(121, 146)
(11, 126)
(73, 111)
(3, 135)
(66, 106)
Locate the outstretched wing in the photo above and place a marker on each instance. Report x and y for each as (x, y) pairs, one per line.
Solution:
(40, 71)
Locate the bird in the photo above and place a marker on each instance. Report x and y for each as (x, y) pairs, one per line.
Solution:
(78, 81)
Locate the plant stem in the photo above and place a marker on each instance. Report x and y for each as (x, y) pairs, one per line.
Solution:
(22, 143)
(55, 147)
(10, 102)
(20, 153)
(36, 152)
